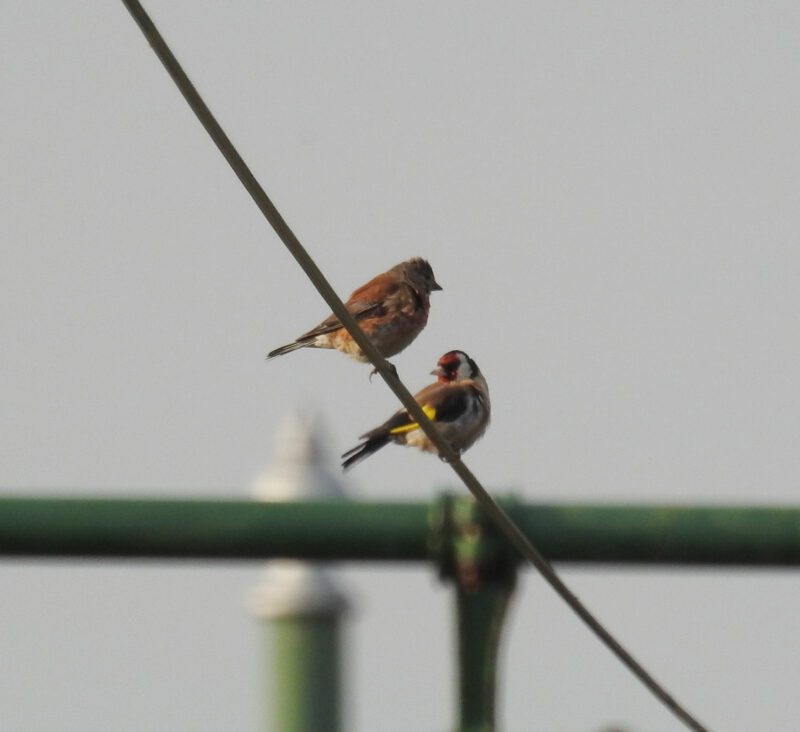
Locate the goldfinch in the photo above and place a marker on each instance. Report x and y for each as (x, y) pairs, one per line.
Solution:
(457, 403)
(392, 309)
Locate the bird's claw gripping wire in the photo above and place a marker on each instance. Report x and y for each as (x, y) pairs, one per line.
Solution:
(391, 368)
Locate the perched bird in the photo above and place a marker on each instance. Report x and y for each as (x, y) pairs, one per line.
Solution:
(457, 403)
(392, 309)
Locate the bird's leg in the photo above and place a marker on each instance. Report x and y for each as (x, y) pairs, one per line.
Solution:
(447, 460)
(391, 368)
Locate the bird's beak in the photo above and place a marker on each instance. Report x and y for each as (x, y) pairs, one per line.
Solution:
(436, 286)
(438, 372)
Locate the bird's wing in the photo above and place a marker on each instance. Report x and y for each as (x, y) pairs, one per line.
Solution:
(440, 402)
(359, 309)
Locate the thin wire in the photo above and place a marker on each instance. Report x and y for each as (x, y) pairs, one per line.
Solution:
(386, 370)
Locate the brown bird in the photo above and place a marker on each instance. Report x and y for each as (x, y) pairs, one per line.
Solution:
(392, 309)
(458, 404)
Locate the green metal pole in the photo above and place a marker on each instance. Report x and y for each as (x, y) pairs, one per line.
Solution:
(306, 654)
(480, 614)
(744, 536)
(299, 601)
(212, 529)
(302, 613)
(482, 566)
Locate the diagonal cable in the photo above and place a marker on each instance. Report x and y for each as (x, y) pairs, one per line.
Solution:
(386, 370)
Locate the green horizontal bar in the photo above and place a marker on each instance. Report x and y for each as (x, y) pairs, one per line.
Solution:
(745, 536)
(377, 531)
(212, 529)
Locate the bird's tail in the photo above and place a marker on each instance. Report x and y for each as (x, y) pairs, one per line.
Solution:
(363, 450)
(288, 348)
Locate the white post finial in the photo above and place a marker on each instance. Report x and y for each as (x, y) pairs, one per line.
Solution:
(291, 588)
(298, 471)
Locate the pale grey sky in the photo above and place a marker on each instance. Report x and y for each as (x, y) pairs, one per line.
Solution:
(610, 196)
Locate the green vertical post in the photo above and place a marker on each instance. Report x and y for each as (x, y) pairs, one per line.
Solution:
(483, 568)
(306, 662)
(298, 601)
(302, 611)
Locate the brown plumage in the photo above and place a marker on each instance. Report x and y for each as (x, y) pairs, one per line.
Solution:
(392, 309)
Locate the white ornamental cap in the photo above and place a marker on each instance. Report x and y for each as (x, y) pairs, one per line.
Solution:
(298, 470)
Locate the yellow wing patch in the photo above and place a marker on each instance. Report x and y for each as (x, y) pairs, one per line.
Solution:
(430, 413)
